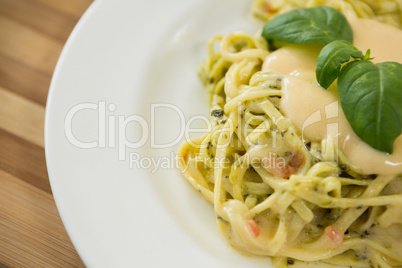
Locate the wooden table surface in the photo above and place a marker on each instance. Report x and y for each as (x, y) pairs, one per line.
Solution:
(32, 35)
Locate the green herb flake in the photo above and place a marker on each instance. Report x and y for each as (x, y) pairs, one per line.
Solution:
(217, 113)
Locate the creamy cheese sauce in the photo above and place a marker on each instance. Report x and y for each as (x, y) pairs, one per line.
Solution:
(317, 112)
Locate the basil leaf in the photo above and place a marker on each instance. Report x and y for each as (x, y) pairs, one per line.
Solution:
(320, 25)
(330, 60)
(371, 98)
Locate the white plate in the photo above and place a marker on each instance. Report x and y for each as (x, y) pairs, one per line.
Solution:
(123, 57)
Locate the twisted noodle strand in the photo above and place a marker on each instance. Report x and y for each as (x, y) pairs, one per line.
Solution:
(236, 166)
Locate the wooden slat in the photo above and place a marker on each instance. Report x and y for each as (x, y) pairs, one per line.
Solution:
(75, 8)
(23, 240)
(37, 16)
(13, 117)
(24, 80)
(32, 35)
(23, 160)
(28, 46)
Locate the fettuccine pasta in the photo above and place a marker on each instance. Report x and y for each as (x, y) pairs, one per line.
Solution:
(275, 192)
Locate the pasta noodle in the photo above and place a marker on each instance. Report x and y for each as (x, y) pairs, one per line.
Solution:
(387, 11)
(274, 192)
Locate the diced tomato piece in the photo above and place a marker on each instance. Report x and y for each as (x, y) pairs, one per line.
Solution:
(269, 9)
(334, 235)
(185, 156)
(283, 167)
(296, 160)
(253, 226)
